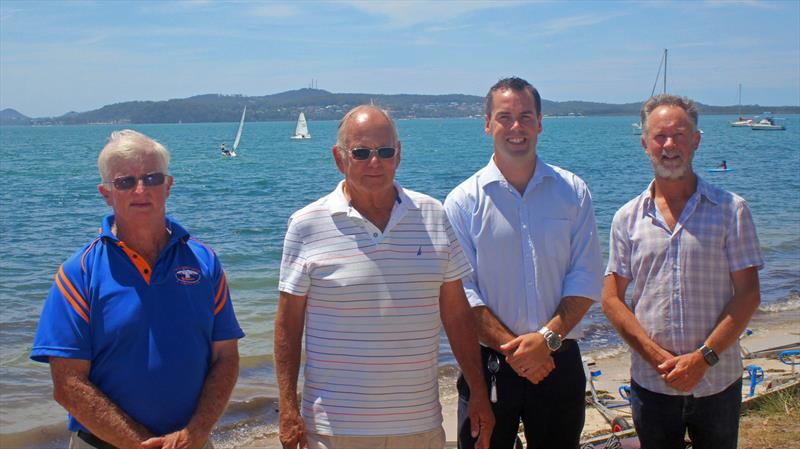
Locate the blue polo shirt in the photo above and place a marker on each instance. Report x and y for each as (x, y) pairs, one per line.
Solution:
(147, 331)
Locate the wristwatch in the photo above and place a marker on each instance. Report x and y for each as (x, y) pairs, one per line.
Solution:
(709, 355)
(552, 339)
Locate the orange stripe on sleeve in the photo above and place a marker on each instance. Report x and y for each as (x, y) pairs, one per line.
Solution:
(221, 303)
(77, 295)
(222, 284)
(223, 292)
(71, 301)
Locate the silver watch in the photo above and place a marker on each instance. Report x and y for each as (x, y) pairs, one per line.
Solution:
(552, 339)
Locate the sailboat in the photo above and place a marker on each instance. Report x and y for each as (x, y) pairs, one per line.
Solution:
(301, 131)
(742, 122)
(232, 152)
(637, 127)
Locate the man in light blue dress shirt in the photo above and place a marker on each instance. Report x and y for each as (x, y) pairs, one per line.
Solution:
(528, 230)
(691, 254)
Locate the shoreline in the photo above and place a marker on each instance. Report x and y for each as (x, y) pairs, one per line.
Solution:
(615, 370)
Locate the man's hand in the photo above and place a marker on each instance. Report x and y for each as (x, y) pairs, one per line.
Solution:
(292, 432)
(481, 420)
(181, 439)
(684, 371)
(529, 356)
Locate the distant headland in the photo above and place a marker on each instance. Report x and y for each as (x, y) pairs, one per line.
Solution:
(320, 104)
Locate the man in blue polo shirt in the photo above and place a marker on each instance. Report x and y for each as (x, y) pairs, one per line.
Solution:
(138, 328)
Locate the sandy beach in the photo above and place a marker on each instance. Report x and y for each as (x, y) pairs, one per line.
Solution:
(615, 372)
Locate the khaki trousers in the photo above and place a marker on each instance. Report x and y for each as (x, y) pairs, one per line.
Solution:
(77, 443)
(433, 439)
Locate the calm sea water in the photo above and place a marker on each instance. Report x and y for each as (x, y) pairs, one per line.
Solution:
(49, 207)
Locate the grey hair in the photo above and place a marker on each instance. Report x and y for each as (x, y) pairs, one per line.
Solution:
(128, 144)
(341, 144)
(654, 102)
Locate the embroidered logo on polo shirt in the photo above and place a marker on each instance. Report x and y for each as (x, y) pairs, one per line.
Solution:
(187, 275)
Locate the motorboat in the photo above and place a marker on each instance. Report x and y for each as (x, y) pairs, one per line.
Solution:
(767, 124)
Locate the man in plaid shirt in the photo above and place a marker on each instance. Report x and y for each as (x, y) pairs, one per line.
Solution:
(690, 252)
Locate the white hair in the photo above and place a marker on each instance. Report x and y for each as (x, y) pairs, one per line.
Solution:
(128, 144)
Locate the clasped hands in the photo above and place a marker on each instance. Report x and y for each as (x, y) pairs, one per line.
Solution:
(682, 372)
(182, 439)
(529, 356)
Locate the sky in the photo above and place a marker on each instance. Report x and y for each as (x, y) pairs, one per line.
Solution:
(61, 56)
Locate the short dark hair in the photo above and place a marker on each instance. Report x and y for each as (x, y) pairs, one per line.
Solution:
(516, 84)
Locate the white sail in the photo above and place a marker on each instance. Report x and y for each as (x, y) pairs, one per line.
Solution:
(301, 131)
(239, 132)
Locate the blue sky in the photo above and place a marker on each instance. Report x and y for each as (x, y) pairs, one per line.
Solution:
(58, 56)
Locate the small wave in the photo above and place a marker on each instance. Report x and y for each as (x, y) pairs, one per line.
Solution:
(781, 306)
(245, 421)
(607, 352)
(51, 436)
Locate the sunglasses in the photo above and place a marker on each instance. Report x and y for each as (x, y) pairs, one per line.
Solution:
(129, 182)
(362, 154)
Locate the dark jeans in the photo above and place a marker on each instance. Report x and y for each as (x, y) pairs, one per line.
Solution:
(553, 411)
(662, 420)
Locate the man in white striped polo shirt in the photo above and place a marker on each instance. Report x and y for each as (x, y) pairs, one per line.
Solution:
(691, 253)
(371, 271)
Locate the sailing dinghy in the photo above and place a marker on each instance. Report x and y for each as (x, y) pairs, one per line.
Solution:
(301, 131)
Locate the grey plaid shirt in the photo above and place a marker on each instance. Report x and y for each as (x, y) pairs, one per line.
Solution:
(681, 278)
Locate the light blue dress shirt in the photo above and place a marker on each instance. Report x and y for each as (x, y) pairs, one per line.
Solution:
(527, 251)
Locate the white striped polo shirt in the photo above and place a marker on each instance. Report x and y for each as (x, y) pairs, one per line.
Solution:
(372, 315)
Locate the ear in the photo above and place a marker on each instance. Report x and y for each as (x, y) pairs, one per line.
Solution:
(337, 156)
(399, 153)
(105, 193)
(486, 128)
(539, 119)
(697, 138)
(170, 180)
(643, 140)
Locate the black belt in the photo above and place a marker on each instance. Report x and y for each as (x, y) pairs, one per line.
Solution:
(93, 441)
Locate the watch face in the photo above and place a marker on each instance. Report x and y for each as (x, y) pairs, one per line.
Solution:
(553, 342)
(710, 356)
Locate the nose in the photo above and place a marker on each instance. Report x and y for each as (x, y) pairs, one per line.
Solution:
(139, 187)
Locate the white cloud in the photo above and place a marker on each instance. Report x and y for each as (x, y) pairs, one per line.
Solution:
(565, 24)
(403, 14)
(274, 10)
(750, 3)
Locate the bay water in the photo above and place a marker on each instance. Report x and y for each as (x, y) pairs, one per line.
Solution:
(50, 207)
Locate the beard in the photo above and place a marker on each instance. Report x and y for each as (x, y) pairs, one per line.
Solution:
(670, 172)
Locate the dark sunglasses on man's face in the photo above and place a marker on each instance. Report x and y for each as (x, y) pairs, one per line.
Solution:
(362, 154)
(129, 182)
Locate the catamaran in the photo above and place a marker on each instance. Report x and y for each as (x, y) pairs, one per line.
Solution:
(301, 131)
(232, 152)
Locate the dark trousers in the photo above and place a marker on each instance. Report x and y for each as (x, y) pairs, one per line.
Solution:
(553, 411)
(662, 420)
